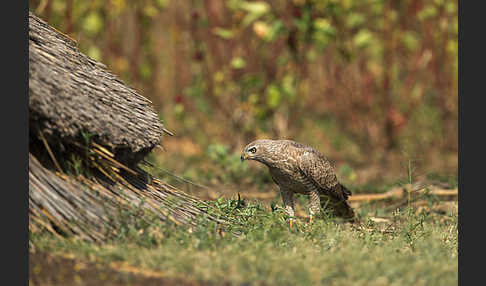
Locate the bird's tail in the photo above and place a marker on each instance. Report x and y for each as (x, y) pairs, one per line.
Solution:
(345, 192)
(339, 206)
(343, 210)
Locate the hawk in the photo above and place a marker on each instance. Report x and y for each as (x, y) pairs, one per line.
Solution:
(297, 168)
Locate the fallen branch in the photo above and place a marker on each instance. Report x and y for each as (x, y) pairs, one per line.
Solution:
(400, 193)
(396, 193)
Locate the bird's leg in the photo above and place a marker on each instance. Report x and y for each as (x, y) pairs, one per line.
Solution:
(314, 204)
(288, 201)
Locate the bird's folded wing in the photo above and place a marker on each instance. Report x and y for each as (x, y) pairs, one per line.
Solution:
(318, 170)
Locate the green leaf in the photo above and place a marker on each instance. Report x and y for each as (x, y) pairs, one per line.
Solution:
(238, 63)
(249, 18)
(145, 70)
(427, 12)
(162, 3)
(363, 38)
(255, 10)
(410, 40)
(324, 25)
(94, 53)
(288, 86)
(93, 23)
(277, 28)
(355, 19)
(257, 7)
(452, 47)
(223, 33)
(150, 11)
(451, 8)
(273, 96)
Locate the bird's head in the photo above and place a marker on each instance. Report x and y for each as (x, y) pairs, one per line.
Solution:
(258, 150)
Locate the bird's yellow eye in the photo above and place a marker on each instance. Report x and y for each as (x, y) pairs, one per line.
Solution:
(252, 150)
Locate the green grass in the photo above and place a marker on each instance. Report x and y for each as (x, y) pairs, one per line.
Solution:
(411, 249)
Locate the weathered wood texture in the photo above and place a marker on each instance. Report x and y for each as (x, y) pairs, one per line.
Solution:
(71, 94)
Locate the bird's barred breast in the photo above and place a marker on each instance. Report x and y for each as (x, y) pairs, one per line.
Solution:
(289, 176)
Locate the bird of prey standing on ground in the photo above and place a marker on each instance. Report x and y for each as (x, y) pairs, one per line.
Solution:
(297, 168)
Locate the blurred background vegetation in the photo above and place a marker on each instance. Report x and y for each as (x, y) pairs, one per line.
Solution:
(371, 83)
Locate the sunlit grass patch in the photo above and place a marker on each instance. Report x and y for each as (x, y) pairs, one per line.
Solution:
(408, 249)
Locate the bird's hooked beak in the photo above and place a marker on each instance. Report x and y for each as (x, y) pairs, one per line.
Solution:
(243, 158)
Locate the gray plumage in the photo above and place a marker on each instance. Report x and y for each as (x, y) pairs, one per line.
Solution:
(297, 168)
